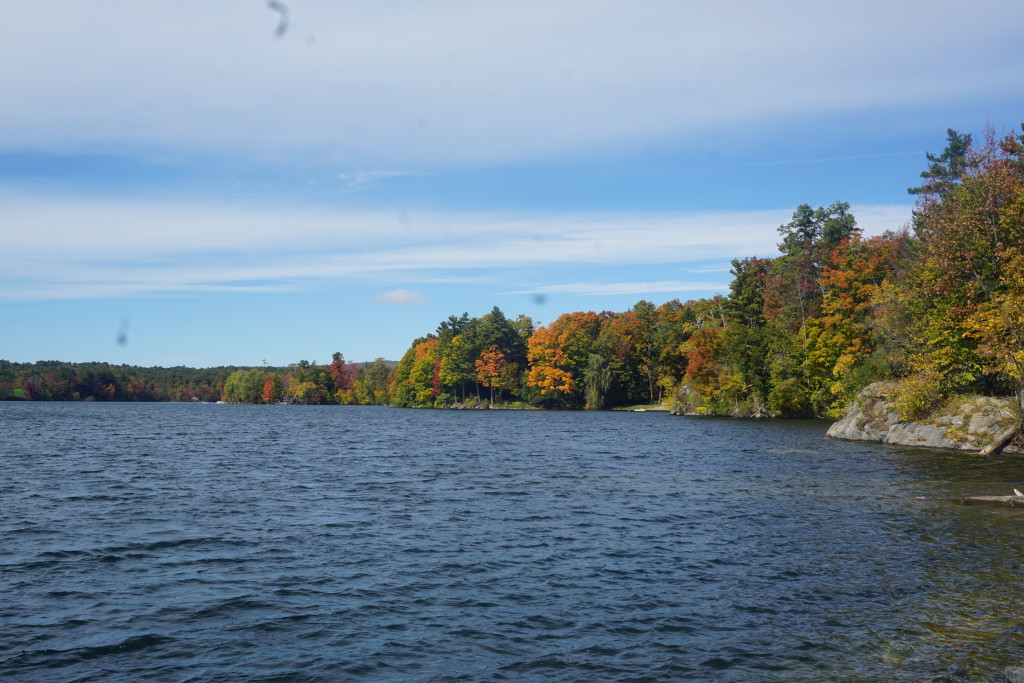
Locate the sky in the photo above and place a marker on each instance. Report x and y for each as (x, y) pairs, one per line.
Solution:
(246, 183)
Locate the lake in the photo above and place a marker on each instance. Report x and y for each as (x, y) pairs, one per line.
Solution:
(176, 542)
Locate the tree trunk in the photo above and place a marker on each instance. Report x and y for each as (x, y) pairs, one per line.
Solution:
(999, 441)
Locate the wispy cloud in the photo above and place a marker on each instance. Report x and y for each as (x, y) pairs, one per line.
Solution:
(711, 269)
(454, 82)
(128, 288)
(617, 288)
(400, 297)
(360, 179)
(818, 160)
(73, 248)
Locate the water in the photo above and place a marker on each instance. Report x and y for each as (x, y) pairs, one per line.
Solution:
(177, 542)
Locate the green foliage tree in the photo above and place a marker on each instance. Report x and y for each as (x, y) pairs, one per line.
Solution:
(373, 386)
(945, 170)
(244, 386)
(597, 380)
(958, 303)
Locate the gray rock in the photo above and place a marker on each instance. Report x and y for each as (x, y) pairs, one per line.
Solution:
(970, 426)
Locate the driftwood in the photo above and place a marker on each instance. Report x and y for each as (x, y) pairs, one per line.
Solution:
(1000, 441)
(1001, 501)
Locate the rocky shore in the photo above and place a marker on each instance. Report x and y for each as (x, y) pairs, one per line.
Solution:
(980, 424)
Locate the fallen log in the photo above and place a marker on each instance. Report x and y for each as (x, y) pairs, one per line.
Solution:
(1001, 501)
(1000, 441)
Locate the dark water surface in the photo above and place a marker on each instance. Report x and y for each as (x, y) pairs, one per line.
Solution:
(176, 542)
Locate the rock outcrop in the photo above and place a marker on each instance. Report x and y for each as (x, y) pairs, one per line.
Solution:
(978, 423)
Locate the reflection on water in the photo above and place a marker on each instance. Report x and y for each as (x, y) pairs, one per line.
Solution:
(234, 542)
(954, 611)
(968, 619)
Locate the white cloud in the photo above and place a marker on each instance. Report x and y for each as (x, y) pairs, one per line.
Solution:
(72, 248)
(400, 297)
(455, 81)
(875, 219)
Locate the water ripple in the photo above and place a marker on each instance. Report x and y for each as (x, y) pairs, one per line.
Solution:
(222, 543)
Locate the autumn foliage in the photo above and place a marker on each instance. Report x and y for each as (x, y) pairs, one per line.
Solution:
(936, 307)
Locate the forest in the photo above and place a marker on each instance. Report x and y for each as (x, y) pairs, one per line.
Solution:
(936, 307)
(303, 382)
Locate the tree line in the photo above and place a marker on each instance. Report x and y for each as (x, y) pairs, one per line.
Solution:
(304, 382)
(936, 308)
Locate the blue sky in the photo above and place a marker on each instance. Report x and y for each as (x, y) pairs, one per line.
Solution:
(226, 187)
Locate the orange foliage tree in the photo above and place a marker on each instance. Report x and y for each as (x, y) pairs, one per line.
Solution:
(489, 367)
(841, 339)
(558, 355)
